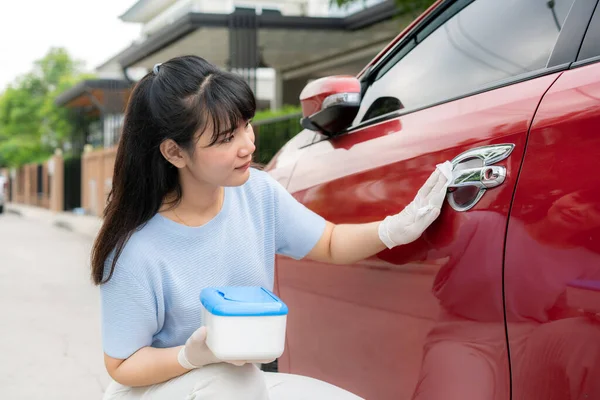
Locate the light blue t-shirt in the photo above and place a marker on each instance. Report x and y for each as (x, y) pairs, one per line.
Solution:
(153, 297)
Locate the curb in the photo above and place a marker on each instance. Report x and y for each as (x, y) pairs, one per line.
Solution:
(62, 222)
(13, 211)
(64, 225)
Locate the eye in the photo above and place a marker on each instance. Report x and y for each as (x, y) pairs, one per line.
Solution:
(228, 139)
(248, 123)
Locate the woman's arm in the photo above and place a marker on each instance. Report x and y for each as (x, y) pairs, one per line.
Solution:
(147, 366)
(150, 365)
(347, 244)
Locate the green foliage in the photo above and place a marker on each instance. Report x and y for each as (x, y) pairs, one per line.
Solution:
(274, 129)
(268, 114)
(31, 125)
(404, 6)
(18, 151)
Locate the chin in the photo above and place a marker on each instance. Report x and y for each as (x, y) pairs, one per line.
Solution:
(238, 179)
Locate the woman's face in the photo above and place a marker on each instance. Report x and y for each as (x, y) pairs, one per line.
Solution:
(225, 163)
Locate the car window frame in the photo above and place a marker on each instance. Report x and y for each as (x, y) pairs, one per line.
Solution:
(592, 32)
(561, 57)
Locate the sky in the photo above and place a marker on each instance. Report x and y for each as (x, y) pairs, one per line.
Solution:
(91, 31)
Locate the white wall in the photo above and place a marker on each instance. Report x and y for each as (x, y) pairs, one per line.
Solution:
(312, 8)
(111, 70)
(265, 84)
(170, 15)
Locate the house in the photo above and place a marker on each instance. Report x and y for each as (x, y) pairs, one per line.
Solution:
(277, 45)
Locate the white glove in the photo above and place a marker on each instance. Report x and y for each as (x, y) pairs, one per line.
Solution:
(196, 354)
(409, 225)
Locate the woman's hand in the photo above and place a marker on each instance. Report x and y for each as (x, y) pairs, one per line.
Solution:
(196, 354)
(409, 225)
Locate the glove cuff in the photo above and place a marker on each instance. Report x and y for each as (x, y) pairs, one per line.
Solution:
(183, 361)
(384, 235)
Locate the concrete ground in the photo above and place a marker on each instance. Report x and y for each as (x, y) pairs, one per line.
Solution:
(50, 341)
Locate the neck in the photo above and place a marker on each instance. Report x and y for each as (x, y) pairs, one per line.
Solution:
(199, 203)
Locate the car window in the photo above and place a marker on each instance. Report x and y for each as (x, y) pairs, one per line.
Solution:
(484, 42)
(591, 44)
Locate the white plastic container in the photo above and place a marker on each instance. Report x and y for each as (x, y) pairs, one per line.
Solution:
(244, 323)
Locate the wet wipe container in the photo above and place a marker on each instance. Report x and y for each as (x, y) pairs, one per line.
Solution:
(244, 323)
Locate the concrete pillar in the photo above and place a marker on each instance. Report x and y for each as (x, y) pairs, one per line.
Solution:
(27, 184)
(57, 172)
(86, 169)
(34, 196)
(100, 201)
(277, 102)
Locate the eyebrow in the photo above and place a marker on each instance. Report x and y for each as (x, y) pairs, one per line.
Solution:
(231, 130)
(225, 132)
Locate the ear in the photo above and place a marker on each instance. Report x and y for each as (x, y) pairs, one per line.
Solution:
(172, 153)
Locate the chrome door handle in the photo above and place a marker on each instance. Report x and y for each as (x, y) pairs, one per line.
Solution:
(488, 155)
(474, 168)
(483, 178)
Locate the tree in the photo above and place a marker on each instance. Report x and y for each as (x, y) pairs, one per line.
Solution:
(31, 125)
(404, 6)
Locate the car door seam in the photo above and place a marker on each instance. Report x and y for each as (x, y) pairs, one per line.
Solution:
(506, 231)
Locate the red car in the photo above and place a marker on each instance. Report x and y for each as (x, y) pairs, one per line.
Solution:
(500, 298)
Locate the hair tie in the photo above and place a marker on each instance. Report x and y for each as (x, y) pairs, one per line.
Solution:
(156, 67)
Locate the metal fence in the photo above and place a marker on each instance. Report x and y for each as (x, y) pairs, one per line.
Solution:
(72, 183)
(272, 134)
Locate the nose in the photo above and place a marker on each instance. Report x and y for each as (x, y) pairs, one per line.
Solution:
(248, 147)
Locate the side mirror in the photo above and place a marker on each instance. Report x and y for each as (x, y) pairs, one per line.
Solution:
(329, 105)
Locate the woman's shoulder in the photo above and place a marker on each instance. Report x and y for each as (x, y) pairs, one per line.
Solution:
(257, 193)
(259, 184)
(147, 238)
(141, 250)
(262, 181)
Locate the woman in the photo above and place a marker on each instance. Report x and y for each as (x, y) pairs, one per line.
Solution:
(186, 212)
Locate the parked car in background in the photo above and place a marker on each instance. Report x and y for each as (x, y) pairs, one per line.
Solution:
(501, 296)
(3, 192)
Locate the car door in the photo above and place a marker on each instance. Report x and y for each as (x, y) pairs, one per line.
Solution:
(425, 320)
(552, 271)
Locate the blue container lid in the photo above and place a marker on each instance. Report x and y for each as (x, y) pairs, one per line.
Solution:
(237, 301)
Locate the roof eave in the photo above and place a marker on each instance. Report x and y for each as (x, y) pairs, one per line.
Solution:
(83, 87)
(192, 21)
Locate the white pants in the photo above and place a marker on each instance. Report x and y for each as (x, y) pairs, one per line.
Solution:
(228, 382)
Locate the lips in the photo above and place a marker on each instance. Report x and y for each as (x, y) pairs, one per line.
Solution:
(244, 166)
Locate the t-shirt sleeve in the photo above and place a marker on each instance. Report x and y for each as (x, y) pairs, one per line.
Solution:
(129, 315)
(298, 229)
